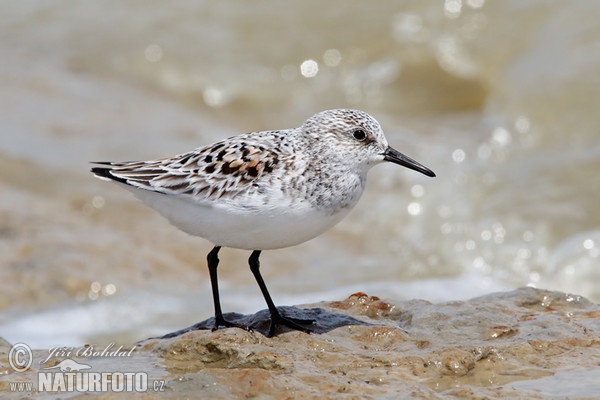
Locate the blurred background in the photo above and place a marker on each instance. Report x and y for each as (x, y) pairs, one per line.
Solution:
(499, 98)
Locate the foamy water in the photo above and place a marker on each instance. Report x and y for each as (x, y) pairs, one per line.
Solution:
(500, 100)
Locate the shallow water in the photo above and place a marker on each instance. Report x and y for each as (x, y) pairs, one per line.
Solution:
(498, 98)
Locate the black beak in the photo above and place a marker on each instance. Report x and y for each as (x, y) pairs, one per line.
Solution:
(398, 158)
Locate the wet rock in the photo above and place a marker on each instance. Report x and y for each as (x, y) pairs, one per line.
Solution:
(320, 321)
(527, 343)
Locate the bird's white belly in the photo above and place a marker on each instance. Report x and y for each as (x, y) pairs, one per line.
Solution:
(270, 228)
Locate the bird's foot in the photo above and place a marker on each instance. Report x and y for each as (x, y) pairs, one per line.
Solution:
(292, 323)
(221, 322)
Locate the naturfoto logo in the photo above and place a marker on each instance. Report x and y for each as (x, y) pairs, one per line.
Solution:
(59, 372)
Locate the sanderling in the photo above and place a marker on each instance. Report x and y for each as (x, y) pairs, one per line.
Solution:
(263, 190)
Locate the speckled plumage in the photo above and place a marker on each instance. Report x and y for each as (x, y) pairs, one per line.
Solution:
(264, 190)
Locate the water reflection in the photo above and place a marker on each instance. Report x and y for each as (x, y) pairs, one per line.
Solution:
(309, 68)
(153, 53)
(332, 57)
(452, 8)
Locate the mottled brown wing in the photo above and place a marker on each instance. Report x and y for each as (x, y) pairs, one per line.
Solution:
(224, 169)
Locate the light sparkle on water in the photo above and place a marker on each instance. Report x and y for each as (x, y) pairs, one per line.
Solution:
(459, 155)
(153, 53)
(332, 57)
(309, 68)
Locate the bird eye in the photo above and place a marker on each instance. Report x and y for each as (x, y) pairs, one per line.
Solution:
(359, 134)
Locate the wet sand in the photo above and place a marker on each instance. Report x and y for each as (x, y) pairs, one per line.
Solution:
(527, 343)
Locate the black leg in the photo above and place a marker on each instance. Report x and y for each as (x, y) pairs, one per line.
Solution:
(276, 317)
(213, 263)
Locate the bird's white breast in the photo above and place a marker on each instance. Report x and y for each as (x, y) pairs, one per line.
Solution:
(281, 224)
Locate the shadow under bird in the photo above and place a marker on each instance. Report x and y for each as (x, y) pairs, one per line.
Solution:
(263, 190)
